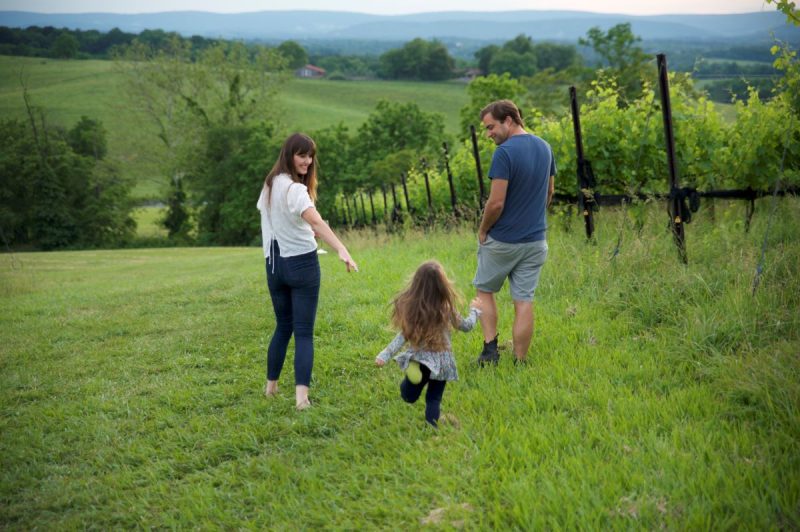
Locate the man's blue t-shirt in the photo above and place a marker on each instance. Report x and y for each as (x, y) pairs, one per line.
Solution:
(527, 162)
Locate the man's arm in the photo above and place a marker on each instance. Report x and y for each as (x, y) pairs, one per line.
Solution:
(493, 208)
(551, 189)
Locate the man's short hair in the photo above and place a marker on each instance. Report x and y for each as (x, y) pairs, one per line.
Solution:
(501, 109)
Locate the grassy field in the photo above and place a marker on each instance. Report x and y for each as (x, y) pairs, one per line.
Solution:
(69, 89)
(148, 221)
(658, 395)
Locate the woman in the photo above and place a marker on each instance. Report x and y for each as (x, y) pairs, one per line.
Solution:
(289, 223)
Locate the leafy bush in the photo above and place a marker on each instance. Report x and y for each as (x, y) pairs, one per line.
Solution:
(52, 196)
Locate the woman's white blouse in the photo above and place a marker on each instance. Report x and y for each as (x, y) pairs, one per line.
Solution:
(283, 221)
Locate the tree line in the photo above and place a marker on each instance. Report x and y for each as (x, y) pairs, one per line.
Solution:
(64, 43)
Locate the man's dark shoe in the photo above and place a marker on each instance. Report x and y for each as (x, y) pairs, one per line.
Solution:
(489, 355)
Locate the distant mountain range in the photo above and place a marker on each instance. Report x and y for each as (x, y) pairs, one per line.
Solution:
(324, 25)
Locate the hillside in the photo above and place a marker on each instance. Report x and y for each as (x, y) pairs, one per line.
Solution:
(69, 89)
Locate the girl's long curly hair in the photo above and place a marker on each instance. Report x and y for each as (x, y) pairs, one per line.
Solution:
(297, 143)
(426, 308)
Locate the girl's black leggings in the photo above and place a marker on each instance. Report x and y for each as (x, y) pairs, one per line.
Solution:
(433, 397)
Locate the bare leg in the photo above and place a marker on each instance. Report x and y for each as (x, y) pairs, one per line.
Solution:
(488, 315)
(271, 389)
(523, 328)
(301, 397)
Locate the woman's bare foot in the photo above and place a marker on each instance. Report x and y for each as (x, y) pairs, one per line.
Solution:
(301, 397)
(271, 389)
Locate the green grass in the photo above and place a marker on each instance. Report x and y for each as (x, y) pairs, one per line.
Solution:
(658, 395)
(313, 102)
(68, 90)
(148, 221)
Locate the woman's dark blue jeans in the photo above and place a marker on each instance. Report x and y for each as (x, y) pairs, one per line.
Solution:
(294, 288)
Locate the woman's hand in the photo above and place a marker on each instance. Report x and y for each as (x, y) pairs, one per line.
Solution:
(380, 362)
(323, 231)
(349, 263)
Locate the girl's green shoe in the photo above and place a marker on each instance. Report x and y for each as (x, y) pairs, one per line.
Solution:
(413, 373)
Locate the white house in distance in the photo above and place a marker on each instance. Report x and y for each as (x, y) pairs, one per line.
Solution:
(310, 71)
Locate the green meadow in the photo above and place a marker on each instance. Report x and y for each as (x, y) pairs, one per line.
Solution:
(658, 395)
(67, 90)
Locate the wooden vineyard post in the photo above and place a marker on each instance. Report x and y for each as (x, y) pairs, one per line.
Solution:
(675, 212)
(363, 210)
(427, 186)
(476, 154)
(405, 192)
(453, 200)
(372, 207)
(585, 200)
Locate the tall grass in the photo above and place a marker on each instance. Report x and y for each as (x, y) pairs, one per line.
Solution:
(657, 395)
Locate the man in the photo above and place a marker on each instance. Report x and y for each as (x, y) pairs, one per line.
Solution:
(512, 234)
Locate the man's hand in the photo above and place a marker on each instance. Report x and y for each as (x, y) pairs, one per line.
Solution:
(476, 303)
(493, 208)
(380, 362)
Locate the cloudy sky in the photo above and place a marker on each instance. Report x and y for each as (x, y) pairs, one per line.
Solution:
(392, 7)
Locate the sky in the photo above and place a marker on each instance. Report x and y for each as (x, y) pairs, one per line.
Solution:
(392, 7)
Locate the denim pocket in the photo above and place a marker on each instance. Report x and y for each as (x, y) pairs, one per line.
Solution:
(302, 270)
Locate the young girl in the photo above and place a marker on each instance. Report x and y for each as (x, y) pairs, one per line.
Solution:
(424, 312)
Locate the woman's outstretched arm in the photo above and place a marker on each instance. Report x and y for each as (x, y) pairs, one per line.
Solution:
(323, 230)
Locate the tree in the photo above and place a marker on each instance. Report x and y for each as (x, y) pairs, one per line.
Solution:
(484, 56)
(65, 46)
(438, 65)
(545, 91)
(419, 60)
(88, 138)
(337, 168)
(114, 38)
(226, 177)
(521, 57)
(516, 64)
(393, 127)
(521, 44)
(176, 220)
(296, 56)
(624, 60)
(484, 90)
(51, 196)
(556, 56)
(206, 112)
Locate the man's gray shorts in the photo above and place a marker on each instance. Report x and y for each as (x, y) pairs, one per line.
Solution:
(521, 263)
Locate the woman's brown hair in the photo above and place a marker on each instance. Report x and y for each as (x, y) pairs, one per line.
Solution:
(297, 143)
(426, 308)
